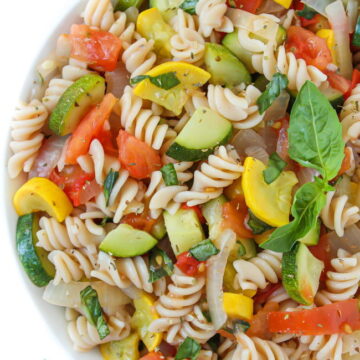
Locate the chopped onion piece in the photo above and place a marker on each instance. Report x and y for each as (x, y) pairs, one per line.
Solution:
(349, 242)
(246, 138)
(340, 24)
(278, 108)
(215, 276)
(68, 295)
(63, 47)
(306, 175)
(352, 13)
(117, 80)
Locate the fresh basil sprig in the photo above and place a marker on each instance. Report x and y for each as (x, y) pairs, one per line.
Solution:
(315, 139)
(278, 83)
(256, 225)
(160, 264)
(307, 13)
(93, 312)
(109, 183)
(189, 349)
(189, 6)
(169, 175)
(203, 250)
(164, 81)
(240, 326)
(274, 169)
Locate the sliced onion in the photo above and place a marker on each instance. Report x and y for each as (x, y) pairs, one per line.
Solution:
(246, 138)
(318, 5)
(68, 295)
(48, 156)
(271, 7)
(117, 80)
(215, 276)
(258, 152)
(89, 191)
(278, 108)
(340, 24)
(349, 242)
(352, 9)
(305, 175)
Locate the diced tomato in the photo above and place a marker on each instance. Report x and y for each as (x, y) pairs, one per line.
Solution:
(188, 264)
(259, 326)
(154, 355)
(282, 145)
(247, 5)
(137, 157)
(139, 221)
(78, 185)
(263, 294)
(316, 23)
(306, 45)
(354, 81)
(234, 214)
(322, 251)
(339, 317)
(197, 210)
(346, 163)
(338, 82)
(107, 140)
(100, 49)
(167, 350)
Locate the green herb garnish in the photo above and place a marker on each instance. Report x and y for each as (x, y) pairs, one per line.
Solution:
(189, 6)
(203, 250)
(160, 264)
(307, 13)
(189, 349)
(274, 169)
(256, 225)
(169, 175)
(164, 81)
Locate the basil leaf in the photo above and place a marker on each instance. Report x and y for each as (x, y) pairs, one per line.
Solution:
(169, 175)
(241, 251)
(203, 250)
(93, 312)
(214, 342)
(160, 264)
(278, 83)
(164, 81)
(315, 134)
(307, 12)
(308, 202)
(240, 326)
(276, 166)
(189, 349)
(109, 183)
(256, 225)
(189, 6)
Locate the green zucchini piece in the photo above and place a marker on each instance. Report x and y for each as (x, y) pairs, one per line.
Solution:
(201, 135)
(225, 68)
(33, 258)
(312, 237)
(126, 241)
(301, 272)
(122, 5)
(159, 230)
(164, 5)
(75, 102)
(213, 214)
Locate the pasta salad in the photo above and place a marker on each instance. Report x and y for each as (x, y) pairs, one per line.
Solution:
(192, 179)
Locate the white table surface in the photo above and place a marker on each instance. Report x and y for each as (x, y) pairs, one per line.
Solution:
(24, 334)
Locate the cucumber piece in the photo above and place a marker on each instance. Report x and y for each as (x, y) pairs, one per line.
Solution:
(312, 237)
(33, 259)
(125, 349)
(122, 5)
(204, 131)
(246, 248)
(126, 241)
(164, 5)
(260, 82)
(159, 229)
(225, 68)
(75, 102)
(301, 272)
(212, 211)
(184, 230)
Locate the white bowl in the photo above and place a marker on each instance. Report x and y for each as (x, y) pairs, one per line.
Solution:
(53, 316)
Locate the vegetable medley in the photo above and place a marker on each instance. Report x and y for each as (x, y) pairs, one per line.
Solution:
(192, 181)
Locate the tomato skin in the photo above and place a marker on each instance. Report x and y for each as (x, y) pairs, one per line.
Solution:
(282, 145)
(346, 163)
(139, 221)
(100, 49)
(247, 5)
(197, 210)
(354, 81)
(188, 264)
(324, 320)
(322, 251)
(106, 138)
(234, 214)
(154, 355)
(137, 157)
(89, 127)
(263, 294)
(338, 82)
(78, 185)
(306, 45)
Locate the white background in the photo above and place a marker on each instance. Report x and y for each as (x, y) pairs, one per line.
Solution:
(24, 334)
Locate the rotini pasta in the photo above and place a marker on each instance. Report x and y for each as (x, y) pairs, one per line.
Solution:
(54, 91)
(74, 70)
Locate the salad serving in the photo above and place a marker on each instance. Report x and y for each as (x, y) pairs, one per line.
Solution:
(193, 182)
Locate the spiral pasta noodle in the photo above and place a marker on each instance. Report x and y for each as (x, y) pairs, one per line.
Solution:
(338, 213)
(324, 346)
(72, 234)
(125, 272)
(219, 171)
(74, 70)
(26, 137)
(212, 17)
(72, 264)
(296, 70)
(240, 109)
(161, 196)
(350, 118)
(54, 91)
(343, 283)
(84, 335)
(258, 271)
(142, 123)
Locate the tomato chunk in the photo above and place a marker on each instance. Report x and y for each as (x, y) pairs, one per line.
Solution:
(188, 264)
(339, 317)
(247, 5)
(306, 45)
(354, 81)
(139, 221)
(338, 82)
(137, 157)
(154, 355)
(89, 128)
(100, 49)
(234, 213)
